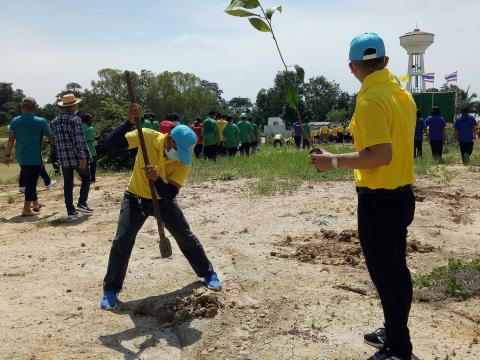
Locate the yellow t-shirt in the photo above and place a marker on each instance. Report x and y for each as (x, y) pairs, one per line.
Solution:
(221, 125)
(175, 171)
(315, 133)
(325, 130)
(340, 129)
(385, 113)
(334, 131)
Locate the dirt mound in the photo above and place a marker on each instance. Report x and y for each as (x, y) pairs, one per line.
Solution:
(181, 308)
(414, 246)
(328, 247)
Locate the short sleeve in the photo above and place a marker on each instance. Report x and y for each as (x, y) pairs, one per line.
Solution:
(180, 174)
(371, 124)
(132, 139)
(427, 122)
(12, 126)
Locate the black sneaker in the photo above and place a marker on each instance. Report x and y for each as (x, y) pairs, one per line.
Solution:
(376, 338)
(84, 209)
(386, 354)
(72, 215)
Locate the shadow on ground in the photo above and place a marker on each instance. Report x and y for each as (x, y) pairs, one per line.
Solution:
(154, 318)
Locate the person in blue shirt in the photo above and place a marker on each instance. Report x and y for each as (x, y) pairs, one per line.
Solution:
(436, 132)
(26, 133)
(418, 139)
(465, 126)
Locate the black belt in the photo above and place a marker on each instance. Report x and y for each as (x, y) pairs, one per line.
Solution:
(366, 190)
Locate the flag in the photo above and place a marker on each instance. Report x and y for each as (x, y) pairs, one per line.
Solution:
(429, 77)
(451, 77)
(405, 78)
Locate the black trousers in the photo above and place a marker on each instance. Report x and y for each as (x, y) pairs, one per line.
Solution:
(466, 148)
(417, 148)
(306, 144)
(298, 141)
(68, 173)
(383, 219)
(43, 174)
(245, 149)
(133, 213)
(210, 152)
(93, 169)
(197, 150)
(30, 176)
(222, 150)
(232, 151)
(437, 148)
(340, 137)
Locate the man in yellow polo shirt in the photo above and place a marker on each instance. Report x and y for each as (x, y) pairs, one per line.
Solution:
(170, 156)
(383, 127)
(221, 122)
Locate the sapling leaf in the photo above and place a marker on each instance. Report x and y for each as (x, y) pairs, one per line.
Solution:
(270, 11)
(240, 13)
(259, 24)
(300, 72)
(291, 94)
(247, 4)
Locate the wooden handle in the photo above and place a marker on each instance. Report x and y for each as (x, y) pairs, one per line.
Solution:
(165, 247)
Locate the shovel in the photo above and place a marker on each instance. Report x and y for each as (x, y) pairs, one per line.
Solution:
(164, 244)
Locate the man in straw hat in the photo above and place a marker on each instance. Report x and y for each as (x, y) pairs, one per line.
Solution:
(28, 132)
(72, 152)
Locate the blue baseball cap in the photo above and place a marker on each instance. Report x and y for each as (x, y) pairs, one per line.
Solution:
(365, 41)
(186, 139)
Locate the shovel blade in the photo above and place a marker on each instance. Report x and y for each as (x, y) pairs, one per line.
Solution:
(165, 247)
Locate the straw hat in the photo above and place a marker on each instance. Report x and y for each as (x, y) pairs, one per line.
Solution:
(68, 100)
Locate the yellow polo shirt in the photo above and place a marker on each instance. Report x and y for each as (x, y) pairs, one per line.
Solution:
(324, 130)
(385, 113)
(175, 171)
(221, 125)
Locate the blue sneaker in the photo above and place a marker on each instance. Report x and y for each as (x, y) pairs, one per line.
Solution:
(212, 281)
(109, 301)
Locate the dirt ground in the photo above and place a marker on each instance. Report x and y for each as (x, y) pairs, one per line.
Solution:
(295, 283)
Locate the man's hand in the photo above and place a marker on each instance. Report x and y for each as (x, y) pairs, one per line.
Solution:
(83, 164)
(134, 113)
(8, 160)
(322, 161)
(151, 172)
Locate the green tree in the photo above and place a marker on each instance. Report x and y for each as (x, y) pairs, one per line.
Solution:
(10, 99)
(323, 95)
(240, 105)
(339, 115)
(465, 98)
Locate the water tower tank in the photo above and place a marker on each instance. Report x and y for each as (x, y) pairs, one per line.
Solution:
(416, 42)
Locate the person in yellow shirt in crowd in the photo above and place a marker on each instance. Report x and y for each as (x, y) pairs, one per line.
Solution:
(383, 127)
(333, 134)
(316, 136)
(170, 156)
(324, 132)
(340, 134)
(221, 122)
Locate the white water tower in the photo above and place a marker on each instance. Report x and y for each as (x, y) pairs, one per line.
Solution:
(416, 42)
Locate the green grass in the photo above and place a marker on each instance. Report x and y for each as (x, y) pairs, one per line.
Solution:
(4, 132)
(457, 279)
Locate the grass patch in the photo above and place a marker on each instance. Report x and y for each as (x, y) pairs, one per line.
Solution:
(4, 131)
(457, 280)
(227, 175)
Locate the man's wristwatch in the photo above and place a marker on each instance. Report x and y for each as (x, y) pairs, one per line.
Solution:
(335, 162)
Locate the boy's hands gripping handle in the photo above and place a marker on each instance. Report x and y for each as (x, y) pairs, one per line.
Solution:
(164, 244)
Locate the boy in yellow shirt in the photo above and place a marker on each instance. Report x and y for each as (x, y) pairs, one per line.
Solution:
(170, 156)
(383, 127)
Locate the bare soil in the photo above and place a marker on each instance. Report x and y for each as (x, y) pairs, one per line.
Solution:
(295, 283)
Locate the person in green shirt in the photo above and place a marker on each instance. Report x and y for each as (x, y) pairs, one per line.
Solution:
(256, 136)
(154, 120)
(146, 123)
(246, 135)
(211, 137)
(231, 134)
(307, 135)
(90, 139)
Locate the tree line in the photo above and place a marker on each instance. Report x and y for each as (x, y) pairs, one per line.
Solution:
(189, 96)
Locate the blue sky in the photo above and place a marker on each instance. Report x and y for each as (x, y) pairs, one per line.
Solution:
(46, 44)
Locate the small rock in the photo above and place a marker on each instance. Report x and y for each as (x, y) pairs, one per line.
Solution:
(244, 231)
(262, 315)
(83, 244)
(211, 349)
(79, 308)
(69, 290)
(97, 187)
